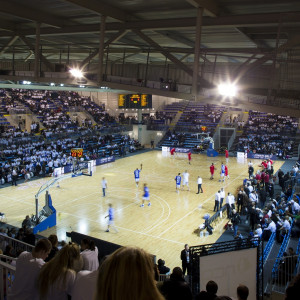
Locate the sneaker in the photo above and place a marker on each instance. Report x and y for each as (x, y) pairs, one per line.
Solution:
(106, 230)
(142, 205)
(149, 204)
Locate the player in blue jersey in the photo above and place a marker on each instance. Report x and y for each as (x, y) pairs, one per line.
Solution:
(146, 195)
(111, 218)
(222, 173)
(178, 182)
(137, 175)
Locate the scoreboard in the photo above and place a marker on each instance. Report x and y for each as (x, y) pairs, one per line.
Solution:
(135, 101)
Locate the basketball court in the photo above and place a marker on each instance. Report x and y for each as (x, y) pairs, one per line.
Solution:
(162, 229)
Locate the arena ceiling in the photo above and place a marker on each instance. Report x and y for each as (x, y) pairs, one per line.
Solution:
(247, 33)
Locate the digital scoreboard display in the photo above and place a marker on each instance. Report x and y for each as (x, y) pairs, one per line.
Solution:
(135, 101)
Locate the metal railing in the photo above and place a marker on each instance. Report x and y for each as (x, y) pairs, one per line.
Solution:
(285, 271)
(7, 274)
(16, 244)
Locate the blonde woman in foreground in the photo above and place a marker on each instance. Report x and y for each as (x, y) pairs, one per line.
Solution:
(57, 277)
(127, 274)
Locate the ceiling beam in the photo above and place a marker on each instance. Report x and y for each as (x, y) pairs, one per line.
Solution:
(42, 57)
(171, 57)
(9, 43)
(211, 8)
(28, 13)
(102, 9)
(172, 24)
(114, 38)
(295, 41)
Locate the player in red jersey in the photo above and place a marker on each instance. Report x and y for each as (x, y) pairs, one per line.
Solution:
(189, 156)
(226, 156)
(226, 172)
(172, 151)
(212, 169)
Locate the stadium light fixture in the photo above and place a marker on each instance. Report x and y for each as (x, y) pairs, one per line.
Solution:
(52, 84)
(227, 89)
(26, 82)
(77, 73)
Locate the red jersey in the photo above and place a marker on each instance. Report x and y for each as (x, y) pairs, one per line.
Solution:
(212, 169)
(226, 171)
(172, 151)
(264, 164)
(226, 153)
(190, 155)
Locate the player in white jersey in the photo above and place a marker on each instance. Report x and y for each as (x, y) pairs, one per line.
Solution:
(185, 176)
(137, 175)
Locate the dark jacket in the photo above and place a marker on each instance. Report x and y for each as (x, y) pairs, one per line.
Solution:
(176, 289)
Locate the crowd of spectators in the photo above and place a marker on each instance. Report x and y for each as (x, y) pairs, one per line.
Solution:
(38, 158)
(266, 133)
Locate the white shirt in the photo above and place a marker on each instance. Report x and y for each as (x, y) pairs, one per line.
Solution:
(90, 259)
(217, 198)
(59, 292)
(25, 283)
(185, 176)
(104, 184)
(222, 194)
(250, 187)
(286, 225)
(259, 232)
(271, 227)
(199, 180)
(85, 285)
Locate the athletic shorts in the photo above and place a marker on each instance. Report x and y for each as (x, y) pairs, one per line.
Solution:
(185, 183)
(146, 198)
(137, 180)
(178, 186)
(110, 222)
(222, 174)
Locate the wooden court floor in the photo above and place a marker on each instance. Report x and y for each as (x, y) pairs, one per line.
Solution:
(162, 229)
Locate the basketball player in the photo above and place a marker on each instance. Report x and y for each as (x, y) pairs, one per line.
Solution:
(222, 173)
(186, 176)
(104, 186)
(146, 196)
(137, 175)
(111, 218)
(226, 172)
(189, 156)
(226, 155)
(212, 169)
(172, 151)
(178, 182)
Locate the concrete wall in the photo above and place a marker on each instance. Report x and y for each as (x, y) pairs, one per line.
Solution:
(145, 136)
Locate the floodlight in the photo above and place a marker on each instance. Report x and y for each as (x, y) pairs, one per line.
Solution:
(76, 73)
(227, 89)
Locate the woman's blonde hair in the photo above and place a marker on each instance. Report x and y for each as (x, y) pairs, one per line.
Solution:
(57, 268)
(127, 274)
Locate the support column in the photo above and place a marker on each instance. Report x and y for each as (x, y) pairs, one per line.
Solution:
(197, 52)
(37, 50)
(140, 129)
(101, 49)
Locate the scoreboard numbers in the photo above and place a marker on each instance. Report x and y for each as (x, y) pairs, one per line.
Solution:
(135, 101)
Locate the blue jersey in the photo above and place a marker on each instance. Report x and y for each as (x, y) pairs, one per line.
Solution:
(146, 191)
(111, 214)
(178, 180)
(136, 174)
(222, 169)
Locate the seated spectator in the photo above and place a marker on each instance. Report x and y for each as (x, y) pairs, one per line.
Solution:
(176, 288)
(242, 292)
(127, 274)
(162, 268)
(85, 285)
(28, 267)
(89, 255)
(210, 293)
(57, 277)
(54, 242)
